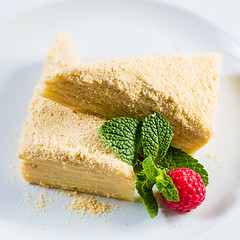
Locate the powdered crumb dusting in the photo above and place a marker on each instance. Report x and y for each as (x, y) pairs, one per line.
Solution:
(90, 204)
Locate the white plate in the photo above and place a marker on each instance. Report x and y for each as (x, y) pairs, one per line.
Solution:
(116, 28)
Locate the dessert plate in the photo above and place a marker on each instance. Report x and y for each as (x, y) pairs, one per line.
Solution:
(102, 29)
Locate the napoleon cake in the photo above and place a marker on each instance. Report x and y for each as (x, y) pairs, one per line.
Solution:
(61, 148)
(181, 88)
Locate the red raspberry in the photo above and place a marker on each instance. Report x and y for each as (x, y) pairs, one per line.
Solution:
(190, 187)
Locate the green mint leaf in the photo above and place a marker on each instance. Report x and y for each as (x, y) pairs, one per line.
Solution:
(123, 136)
(156, 136)
(176, 158)
(150, 169)
(166, 187)
(164, 183)
(144, 187)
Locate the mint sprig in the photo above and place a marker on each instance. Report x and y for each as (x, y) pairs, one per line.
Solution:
(133, 140)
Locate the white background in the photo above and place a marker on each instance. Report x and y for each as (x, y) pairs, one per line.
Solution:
(223, 13)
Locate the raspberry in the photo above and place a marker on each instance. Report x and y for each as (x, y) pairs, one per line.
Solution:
(190, 187)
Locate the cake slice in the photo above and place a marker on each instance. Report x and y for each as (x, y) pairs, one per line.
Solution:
(61, 148)
(181, 88)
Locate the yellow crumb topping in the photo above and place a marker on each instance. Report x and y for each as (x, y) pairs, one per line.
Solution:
(89, 204)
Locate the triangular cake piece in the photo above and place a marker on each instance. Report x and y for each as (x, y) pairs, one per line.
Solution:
(61, 148)
(182, 88)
